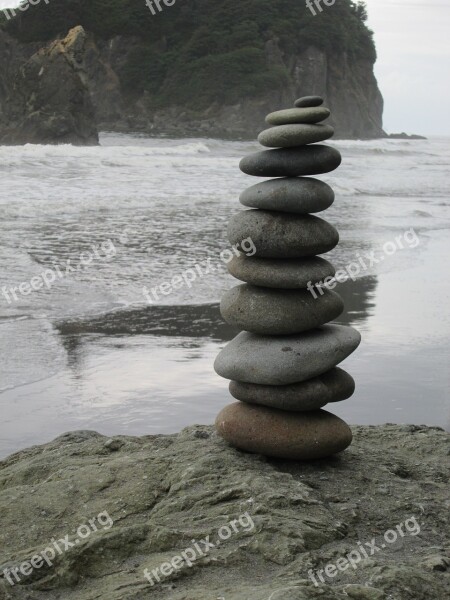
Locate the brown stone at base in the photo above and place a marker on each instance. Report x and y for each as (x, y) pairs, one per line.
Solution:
(282, 434)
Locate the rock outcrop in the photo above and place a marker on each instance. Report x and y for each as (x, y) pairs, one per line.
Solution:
(215, 68)
(348, 86)
(163, 493)
(44, 94)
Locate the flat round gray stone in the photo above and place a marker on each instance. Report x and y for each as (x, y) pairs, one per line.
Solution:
(281, 360)
(268, 311)
(333, 386)
(292, 162)
(301, 195)
(308, 101)
(282, 235)
(289, 136)
(298, 115)
(281, 434)
(285, 273)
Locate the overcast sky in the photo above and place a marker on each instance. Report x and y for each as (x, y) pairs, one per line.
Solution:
(413, 62)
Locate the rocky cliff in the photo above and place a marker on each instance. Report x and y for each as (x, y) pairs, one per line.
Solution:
(44, 97)
(348, 85)
(207, 68)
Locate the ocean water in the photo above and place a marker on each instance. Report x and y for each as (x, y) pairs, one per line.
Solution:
(93, 227)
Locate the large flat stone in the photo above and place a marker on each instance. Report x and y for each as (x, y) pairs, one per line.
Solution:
(268, 311)
(281, 434)
(281, 235)
(290, 136)
(285, 273)
(298, 115)
(301, 195)
(292, 162)
(281, 360)
(333, 386)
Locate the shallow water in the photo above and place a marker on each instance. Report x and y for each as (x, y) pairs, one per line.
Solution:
(89, 352)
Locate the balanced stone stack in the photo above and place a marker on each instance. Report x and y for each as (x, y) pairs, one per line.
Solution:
(283, 365)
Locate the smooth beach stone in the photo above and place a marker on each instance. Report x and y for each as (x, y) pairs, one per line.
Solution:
(301, 195)
(333, 386)
(287, 273)
(298, 115)
(289, 136)
(292, 162)
(282, 235)
(308, 101)
(278, 312)
(281, 434)
(281, 360)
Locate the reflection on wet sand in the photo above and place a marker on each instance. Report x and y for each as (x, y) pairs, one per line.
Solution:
(200, 321)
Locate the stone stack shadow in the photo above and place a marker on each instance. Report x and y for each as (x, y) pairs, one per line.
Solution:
(283, 366)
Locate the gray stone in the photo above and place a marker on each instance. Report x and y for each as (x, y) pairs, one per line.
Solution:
(289, 136)
(268, 311)
(298, 115)
(281, 360)
(281, 235)
(308, 101)
(301, 195)
(287, 273)
(291, 162)
(281, 434)
(333, 386)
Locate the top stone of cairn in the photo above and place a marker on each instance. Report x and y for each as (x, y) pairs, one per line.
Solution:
(308, 101)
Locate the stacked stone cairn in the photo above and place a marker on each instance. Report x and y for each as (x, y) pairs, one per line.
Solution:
(283, 365)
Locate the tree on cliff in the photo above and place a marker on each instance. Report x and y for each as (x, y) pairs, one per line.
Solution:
(203, 51)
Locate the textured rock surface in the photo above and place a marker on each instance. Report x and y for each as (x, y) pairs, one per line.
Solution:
(289, 136)
(273, 360)
(288, 273)
(45, 98)
(333, 386)
(164, 491)
(277, 433)
(278, 312)
(280, 235)
(292, 162)
(300, 195)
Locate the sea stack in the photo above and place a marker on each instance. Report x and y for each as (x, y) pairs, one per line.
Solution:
(283, 365)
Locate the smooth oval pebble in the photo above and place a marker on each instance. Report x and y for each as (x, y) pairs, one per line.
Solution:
(281, 434)
(287, 273)
(301, 195)
(282, 235)
(308, 101)
(280, 360)
(278, 312)
(289, 136)
(292, 162)
(333, 386)
(298, 115)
